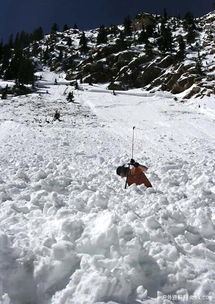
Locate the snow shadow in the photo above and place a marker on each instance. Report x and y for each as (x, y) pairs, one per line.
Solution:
(16, 276)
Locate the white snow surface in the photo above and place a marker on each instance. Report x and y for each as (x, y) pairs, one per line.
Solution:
(69, 231)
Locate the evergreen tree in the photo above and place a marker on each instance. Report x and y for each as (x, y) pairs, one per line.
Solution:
(54, 28)
(1, 51)
(10, 42)
(113, 30)
(102, 35)
(60, 56)
(37, 34)
(12, 70)
(69, 41)
(182, 46)
(46, 54)
(20, 40)
(149, 49)
(143, 37)
(56, 115)
(6, 57)
(16, 41)
(127, 26)
(199, 65)
(24, 40)
(150, 28)
(83, 43)
(35, 49)
(190, 26)
(75, 27)
(165, 16)
(21, 68)
(189, 21)
(76, 85)
(121, 43)
(191, 35)
(65, 27)
(4, 92)
(165, 40)
(26, 71)
(70, 97)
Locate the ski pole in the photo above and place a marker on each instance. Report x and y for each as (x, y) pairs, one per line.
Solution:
(132, 149)
(132, 155)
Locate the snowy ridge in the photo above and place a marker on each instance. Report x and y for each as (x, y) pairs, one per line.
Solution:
(131, 64)
(70, 233)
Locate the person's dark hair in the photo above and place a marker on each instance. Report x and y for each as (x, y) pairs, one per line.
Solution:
(122, 170)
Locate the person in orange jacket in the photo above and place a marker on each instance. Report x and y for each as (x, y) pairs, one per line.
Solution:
(135, 175)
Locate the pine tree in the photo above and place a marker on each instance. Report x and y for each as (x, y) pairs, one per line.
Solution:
(121, 43)
(70, 97)
(102, 35)
(54, 28)
(37, 34)
(4, 92)
(199, 65)
(143, 37)
(113, 30)
(46, 54)
(26, 71)
(150, 29)
(1, 51)
(165, 16)
(24, 40)
(165, 40)
(76, 85)
(6, 57)
(21, 68)
(83, 43)
(57, 115)
(182, 46)
(65, 27)
(127, 26)
(149, 49)
(16, 41)
(11, 71)
(189, 21)
(191, 35)
(69, 41)
(10, 42)
(60, 56)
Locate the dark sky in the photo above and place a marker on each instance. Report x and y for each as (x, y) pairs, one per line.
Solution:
(18, 15)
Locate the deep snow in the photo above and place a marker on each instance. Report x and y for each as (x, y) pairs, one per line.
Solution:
(69, 231)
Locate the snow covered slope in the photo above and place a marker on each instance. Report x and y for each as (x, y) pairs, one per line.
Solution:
(141, 60)
(69, 231)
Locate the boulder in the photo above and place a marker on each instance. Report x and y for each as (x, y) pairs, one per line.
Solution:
(148, 75)
(94, 67)
(141, 20)
(117, 86)
(183, 84)
(171, 82)
(98, 77)
(126, 56)
(139, 62)
(193, 92)
(166, 61)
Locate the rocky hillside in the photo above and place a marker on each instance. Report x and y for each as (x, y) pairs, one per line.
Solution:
(150, 52)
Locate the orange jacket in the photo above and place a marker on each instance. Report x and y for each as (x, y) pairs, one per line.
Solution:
(137, 176)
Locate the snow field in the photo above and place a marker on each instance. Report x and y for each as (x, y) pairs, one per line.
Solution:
(71, 234)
